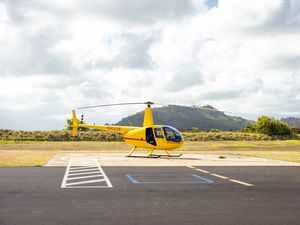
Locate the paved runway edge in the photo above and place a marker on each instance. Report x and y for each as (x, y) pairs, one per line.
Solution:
(118, 159)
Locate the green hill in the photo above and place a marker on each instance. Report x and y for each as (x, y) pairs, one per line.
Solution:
(185, 118)
(292, 121)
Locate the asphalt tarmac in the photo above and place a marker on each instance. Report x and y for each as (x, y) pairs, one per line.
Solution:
(153, 195)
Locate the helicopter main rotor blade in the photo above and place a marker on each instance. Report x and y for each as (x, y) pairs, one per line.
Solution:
(127, 103)
(150, 103)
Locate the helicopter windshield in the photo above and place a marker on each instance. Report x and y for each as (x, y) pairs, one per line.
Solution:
(172, 134)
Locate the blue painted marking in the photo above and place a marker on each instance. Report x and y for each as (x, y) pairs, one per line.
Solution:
(203, 178)
(132, 178)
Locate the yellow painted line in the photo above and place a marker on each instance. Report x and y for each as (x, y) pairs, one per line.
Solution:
(203, 171)
(241, 182)
(190, 167)
(217, 175)
(222, 177)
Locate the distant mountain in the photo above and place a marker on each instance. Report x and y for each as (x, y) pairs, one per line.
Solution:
(184, 118)
(293, 122)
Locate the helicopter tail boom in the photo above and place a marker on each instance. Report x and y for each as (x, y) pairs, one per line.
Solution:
(111, 128)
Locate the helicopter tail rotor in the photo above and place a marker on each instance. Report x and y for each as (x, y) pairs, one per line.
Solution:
(75, 124)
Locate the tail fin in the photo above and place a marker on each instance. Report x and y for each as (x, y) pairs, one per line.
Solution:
(75, 124)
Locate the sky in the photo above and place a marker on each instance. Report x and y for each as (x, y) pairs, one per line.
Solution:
(239, 56)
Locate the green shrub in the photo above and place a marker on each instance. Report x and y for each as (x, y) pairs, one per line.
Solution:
(195, 130)
(269, 126)
(214, 130)
(58, 135)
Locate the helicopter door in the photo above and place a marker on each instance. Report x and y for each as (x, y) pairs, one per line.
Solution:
(159, 137)
(150, 136)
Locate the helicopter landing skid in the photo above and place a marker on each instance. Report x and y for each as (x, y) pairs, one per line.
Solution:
(151, 155)
(171, 156)
(154, 156)
(142, 156)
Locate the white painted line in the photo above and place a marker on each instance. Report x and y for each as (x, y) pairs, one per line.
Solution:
(104, 175)
(85, 182)
(84, 177)
(82, 168)
(89, 173)
(241, 182)
(75, 174)
(86, 187)
(63, 184)
(85, 170)
(217, 175)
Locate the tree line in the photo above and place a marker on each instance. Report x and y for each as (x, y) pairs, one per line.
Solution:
(265, 128)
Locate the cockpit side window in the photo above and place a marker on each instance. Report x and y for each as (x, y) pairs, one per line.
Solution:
(169, 133)
(158, 133)
(172, 134)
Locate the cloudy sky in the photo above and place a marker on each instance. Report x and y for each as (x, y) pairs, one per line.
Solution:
(240, 56)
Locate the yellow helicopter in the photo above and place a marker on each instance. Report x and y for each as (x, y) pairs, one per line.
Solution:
(149, 136)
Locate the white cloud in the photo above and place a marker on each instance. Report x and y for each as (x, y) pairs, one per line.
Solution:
(242, 56)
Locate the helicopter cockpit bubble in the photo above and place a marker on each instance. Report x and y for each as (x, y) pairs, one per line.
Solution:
(172, 134)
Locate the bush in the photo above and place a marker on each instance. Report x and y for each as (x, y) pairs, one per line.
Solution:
(58, 135)
(269, 126)
(214, 130)
(195, 129)
(249, 128)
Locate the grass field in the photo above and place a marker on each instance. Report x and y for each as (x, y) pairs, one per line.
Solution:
(25, 157)
(38, 153)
